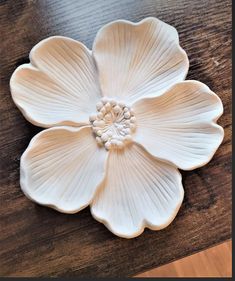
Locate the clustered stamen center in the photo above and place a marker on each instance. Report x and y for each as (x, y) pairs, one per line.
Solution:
(113, 123)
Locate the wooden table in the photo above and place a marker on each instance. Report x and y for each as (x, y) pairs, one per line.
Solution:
(38, 241)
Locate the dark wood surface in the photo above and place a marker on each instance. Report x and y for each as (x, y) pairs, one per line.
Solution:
(38, 241)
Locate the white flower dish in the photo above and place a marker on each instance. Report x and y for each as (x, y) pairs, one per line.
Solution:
(120, 121)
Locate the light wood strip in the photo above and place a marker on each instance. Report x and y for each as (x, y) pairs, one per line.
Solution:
(213, 262)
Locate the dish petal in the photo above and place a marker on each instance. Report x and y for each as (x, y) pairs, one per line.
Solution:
(60, 86)
(137, 60)
(62, 168)
(180, 126)
(139, 191)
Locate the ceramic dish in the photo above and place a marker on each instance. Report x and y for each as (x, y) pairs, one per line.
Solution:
(120, 121)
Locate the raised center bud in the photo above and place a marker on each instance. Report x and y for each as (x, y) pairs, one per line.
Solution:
(113, 123)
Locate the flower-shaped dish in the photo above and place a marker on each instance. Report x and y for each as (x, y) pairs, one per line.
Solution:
(120, 121)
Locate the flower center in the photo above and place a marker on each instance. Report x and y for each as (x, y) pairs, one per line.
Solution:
(113, 123)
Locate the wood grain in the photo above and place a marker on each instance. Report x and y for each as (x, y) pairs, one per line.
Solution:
(213, 262)
(37, 241)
